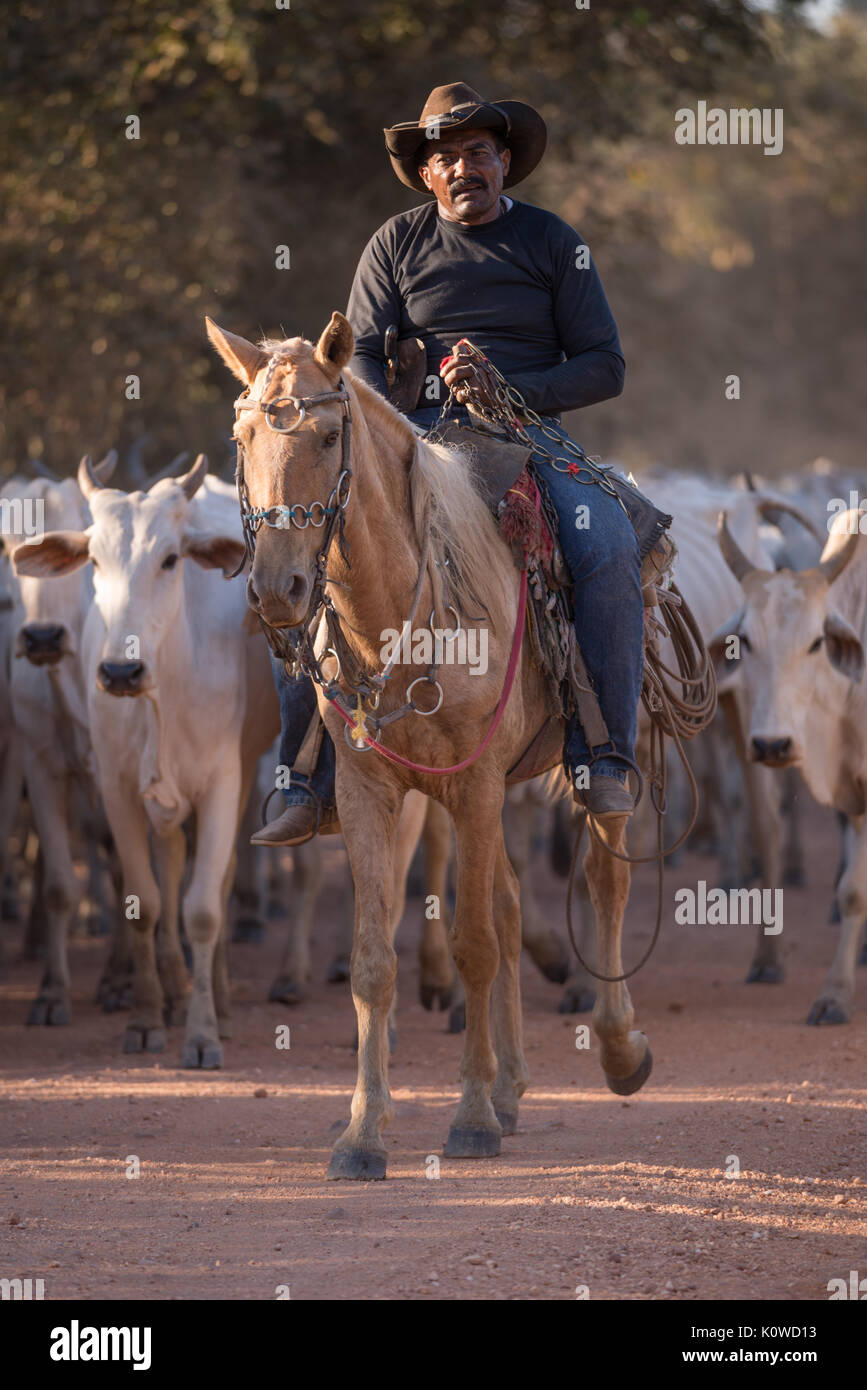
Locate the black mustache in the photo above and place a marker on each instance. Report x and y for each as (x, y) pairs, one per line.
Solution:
(463, 187)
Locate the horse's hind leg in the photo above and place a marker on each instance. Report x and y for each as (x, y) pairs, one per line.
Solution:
(512, 1074)
(475, 1130)
(625, 1054)
(436, 972)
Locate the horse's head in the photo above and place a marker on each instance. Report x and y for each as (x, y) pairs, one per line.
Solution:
(290, 431)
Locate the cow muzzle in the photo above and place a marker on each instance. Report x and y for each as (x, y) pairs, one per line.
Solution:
(122, 678)
(774, 752)
(44, 644)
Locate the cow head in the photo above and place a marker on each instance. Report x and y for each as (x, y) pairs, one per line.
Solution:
(50, 616)
(794, 650)
(136, 545)
(301, 467)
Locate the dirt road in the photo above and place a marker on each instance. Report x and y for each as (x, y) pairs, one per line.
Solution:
(619, 1199)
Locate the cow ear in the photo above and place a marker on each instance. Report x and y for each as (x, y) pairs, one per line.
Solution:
(843, 646)
(56, 554)
(215, 552)
(721, 649)
(334, 348)
(241, 357)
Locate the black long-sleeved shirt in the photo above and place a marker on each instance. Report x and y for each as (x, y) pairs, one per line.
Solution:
(512, 286)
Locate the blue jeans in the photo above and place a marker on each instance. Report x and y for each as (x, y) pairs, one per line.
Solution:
(601, 551)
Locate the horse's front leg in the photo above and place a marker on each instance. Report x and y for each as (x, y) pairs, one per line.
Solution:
(369, 815)
(626, 1056)
(475, 1130)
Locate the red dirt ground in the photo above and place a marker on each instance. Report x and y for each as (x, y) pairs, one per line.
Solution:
(628, 1198)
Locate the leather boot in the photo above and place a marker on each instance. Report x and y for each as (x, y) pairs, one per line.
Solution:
(296, 825)
(605, 796)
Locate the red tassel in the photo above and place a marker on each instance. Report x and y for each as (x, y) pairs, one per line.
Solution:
(522, 523)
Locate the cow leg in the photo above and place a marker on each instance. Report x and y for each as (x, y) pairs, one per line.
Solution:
(625, 1054)
(114, 990)
(766, 967)
(141, 896)
(475, 1131)
(61, 890)
(546, 949)
(204, 911)
(293, 972)
(436, 981)
(834, 1004)
(170, 854)
(369, 817)
(249, 870)
(512, 1073)
(793, 851)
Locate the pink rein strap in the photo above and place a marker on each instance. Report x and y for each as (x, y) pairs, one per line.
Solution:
(517, 641)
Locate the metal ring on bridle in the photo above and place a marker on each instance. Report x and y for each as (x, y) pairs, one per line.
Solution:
(414, 706)
(446, 635)
(353, 743)
(268, 406)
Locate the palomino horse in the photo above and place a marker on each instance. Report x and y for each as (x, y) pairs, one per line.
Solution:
(414, 525)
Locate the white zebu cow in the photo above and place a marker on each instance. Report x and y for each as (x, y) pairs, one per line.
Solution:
(801, 669)
(182, 704)
(49, 716)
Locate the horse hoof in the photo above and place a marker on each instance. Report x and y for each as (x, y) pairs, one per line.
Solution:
(508, 1120)
(765, 975)
(628, 1085)
(285, 991)
(249, 931)
(577, 1000)
(356, 1164)
(471, 1143)
(827, 1010)
(203, 1054)
(338, 971)
(458, 1018)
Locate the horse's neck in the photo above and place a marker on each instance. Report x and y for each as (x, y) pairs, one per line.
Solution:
(374, 591)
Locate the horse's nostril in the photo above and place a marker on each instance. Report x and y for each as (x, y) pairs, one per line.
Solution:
(252, 596)
(297, 588)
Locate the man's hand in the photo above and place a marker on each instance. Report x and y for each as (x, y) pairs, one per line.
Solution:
(462, 368)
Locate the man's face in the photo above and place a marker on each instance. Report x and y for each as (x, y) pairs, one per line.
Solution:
(465, 173)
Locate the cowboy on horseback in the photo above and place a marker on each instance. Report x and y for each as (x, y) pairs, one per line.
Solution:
(518, 283)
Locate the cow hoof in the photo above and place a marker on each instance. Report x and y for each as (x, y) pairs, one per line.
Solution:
(827, 1009)
(439, 995)
(113, 996)
(472, 1143)
(338, 971)
(284, 990)
(628, 1085)
(356, 1164)
(202, 1053)
(765, 975)
(49, 1012)
(249, 930)
(139, 1039)
(458, 1018)
(508, 1120)
(577, 999)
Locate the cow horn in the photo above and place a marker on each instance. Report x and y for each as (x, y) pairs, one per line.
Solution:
(88, 479)
(768, 505)
(192, 481)
(837, 561)
(734, 557)
(105, 468)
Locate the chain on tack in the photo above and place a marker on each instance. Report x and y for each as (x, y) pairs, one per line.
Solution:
(510, 409)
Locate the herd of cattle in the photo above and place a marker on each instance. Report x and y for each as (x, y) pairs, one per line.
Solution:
(138, 720)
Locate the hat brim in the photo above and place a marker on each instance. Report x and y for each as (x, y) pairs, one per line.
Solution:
(527, 136)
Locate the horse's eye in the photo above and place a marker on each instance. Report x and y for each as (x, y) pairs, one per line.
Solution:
(331, 439)
(169, 562)
(814, 646)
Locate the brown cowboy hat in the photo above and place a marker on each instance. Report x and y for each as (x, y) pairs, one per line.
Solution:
(459, 107)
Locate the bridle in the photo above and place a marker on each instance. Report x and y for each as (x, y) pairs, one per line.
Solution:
(330, 514)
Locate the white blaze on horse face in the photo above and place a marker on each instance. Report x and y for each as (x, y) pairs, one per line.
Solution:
(136, 545)
(786, 677)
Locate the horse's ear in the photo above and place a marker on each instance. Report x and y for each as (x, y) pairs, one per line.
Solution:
(334, 348)
(241, 357)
